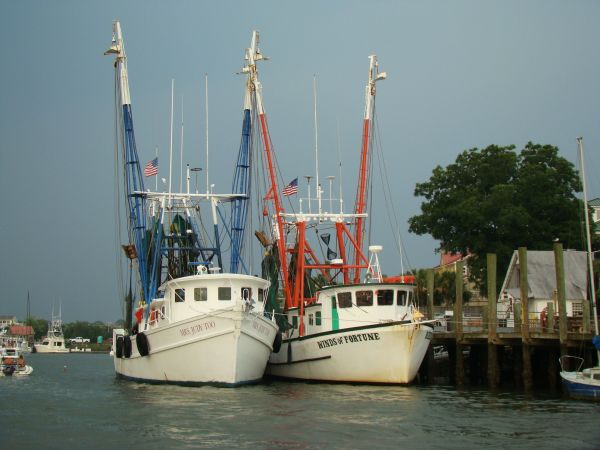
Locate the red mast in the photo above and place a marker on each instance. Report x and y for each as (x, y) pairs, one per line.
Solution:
(361, 191)
(253, 55)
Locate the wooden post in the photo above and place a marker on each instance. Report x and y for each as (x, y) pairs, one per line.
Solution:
(458, 305)
(492, 317)
(561, 292)
(429, 275)
(550, 317)
(458, 322)
(430, 355)
(586, 316)
(492, 320)
(523, 281)
(517, 315)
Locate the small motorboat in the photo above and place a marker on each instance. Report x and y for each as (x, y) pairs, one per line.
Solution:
(12, 363)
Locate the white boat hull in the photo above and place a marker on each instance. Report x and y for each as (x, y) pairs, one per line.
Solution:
(21, 372)
(47, 349)
(384, 353)
(226, 347)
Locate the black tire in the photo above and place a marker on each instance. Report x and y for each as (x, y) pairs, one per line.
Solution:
(277, 342)
(119, 347)
(126, 346)
(141, 341)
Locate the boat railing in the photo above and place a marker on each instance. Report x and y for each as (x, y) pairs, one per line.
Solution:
(565, 363)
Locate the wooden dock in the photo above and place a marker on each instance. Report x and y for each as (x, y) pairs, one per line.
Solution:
(484, 351)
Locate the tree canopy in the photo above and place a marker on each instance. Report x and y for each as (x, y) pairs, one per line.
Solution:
(494, 200)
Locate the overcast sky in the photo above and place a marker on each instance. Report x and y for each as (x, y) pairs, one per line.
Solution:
(461, 74)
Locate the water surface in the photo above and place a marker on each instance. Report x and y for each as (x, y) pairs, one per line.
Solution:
(75, 401)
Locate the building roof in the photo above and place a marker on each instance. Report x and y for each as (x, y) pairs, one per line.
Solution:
(594, 202)
(449, 258)
(541, 275)
(21, 330)
(7, 317)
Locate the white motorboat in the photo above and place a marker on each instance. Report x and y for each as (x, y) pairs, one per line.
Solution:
(54, 342)
(194, 324)
(12, 363)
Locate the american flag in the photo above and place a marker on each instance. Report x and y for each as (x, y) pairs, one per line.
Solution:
(291, 188)
(151, 168)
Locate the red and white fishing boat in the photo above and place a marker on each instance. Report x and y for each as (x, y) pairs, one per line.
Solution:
(357, 326)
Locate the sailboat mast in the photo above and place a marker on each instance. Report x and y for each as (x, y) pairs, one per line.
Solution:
(589, 238)
(361, 192)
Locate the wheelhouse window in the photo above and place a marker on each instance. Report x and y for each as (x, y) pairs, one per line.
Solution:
(310, 319)
(402, 298)
(224, 293)
(344, 299)
(261, 295)
(179, 295)
(364, 298)
(246, 293)
(385, 297)
(200, 294)
(295, 322)
(318, 318)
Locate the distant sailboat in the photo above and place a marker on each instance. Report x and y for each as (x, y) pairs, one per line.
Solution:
(585, 384)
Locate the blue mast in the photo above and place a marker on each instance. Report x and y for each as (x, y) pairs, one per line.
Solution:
(241, 185)
(134, 183)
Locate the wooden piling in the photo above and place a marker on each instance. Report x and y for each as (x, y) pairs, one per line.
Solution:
(526, 350)
(458, 322)
(561, 293)
(523, 281)
(430, 356)
(493, 374)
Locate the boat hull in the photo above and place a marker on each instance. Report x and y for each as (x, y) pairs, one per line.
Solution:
(578, 387)
(227, 348)
(384, 353)
(46, 349)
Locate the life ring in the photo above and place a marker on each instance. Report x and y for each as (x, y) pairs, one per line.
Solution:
(126, 346)
(141, 341)
(277, 342)
(119, 347)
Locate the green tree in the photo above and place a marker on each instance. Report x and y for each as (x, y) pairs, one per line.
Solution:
(494, 200)
(444, 288)
(40, 327)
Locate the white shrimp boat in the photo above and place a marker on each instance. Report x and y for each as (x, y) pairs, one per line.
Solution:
(194, 324)
(356, 326)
